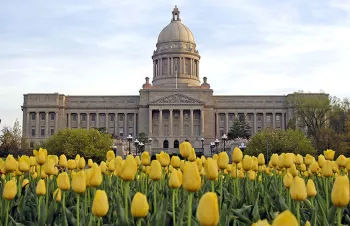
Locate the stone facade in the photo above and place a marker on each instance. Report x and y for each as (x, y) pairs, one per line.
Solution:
(176, 106)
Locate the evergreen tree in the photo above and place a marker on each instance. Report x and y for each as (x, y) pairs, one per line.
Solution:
(239, 129)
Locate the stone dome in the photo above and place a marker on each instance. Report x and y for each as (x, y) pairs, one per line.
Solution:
(176, 31)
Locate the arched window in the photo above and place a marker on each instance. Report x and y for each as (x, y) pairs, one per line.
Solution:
(166, 144)
(176, 144)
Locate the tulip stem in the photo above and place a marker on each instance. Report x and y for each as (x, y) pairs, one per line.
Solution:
(39, 208)
(174, 222)
(139, 222)
(99, 221)
(47, 192)
(78, 209)
(326, 190)
(212, 186)
(298, 211)
(339, 213)
(189, 218)
(85, 204)
(126, 199)
(64, 207)
(221, 196)
(7, 211)
(155, 195)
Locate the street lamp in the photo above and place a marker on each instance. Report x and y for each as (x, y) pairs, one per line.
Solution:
(129, 138)
(150, 140)
(224, 138)
(212, 145)
(202, 140)
(216, 141)
(141, 145)
(136, 143)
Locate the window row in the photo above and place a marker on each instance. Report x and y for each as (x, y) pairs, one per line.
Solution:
(42, 131)
(102, 117)
(42, 116)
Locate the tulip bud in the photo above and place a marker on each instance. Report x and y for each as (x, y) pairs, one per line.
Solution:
(41, 156)
(139, 205)
(223, 160)
(192, 157)
(100, 204)
(185, 149)
(299, 159)
(63, 181)
(164, 159)
(24, 163)
(138, 161)
(288, 180)
(200, 164)
(310, 188)
(49, 167)
(251, 175)
(155, 172)
(314, 167)
(81, 163)
(329, 154)
(175, 161)
(145, 158)
(247, 163)
(191, 177)
(95, 176)
(129, 169)
(10, 190)
(298, 189)
(327, 169)
(79, 182)
(341, 161)
(208, 209)
(10, 164)
(63, 161)
(261, 223)
(174, 181)
(57, 195)
(211, 169)
(288, 160)
(41, 187)
(25, 182)
(71, 164)
(90, 162)
(285, 217)
(307, 223)
(261, 159)
(293, 170)
(340, 191)
(321, 159)
(110, 155)
(237, 155)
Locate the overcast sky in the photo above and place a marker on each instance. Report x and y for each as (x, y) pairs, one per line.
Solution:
(104, 47)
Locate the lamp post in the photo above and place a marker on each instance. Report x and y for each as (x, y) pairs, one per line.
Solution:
(136, 143)
(150, 140)
(224, 138)
(202, 140)
(129, 138)
(216, 141)
(212, 145)
(141, 145)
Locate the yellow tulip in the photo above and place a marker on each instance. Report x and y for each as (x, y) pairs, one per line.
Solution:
(81, 163)
(310, 188)
(90, 162)
(87, 176)
(329, 154)
(341, 161)
(139, 205)
(314, 167)
(340, 191)
(247, 163)
(251, 175)
(203, 159)
(298, 189)
(192, 157)
(79, 182)
(307, 223)
(185, 149)
(191, 177)
(174, 181)
(95, 176)
(261, 159)
(223, 160)
(274, 160)
(208, 210)
(211, 169)
(261, 223)
(237, 155)
(164, 159)
(103, 167)
(285, 219)
(110, 155)
(215, 157)
(41, 187)
(49, 167)
(293, 170)
(100, 204)
(63, 181)
(41, 156)
(10, 190)
(145, 158)
(288, 180)
(299, 159)
(57, 195)
(24, 163)
(175, 161)
(111, 165)
(118, 166)
(288, 160)
(25, 182)
(199, 164)
(280, 163)
(155, 172)
(327, 169)
(138, 161)
(309, 159)
(179, 175)
(321, 159)
(53, 158)
(63, 161)
(10, 164)
(303, 167)
(71, 164)
(129, 169)
(32, 161)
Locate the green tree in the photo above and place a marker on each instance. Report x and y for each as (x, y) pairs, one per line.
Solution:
(239, 129)
(279, 141)
(11, 141)
(88, 143)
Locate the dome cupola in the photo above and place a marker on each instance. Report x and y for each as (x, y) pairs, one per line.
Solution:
(176, 60)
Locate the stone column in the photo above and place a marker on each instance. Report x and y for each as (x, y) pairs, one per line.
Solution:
(183, 62)
(202, 123)
(47, 124)
(88, 120)
(160, 132)
(69, 120)
(168, 69)
(181, 122)
(56, 122)
(191, 72)
(254, 129)
(171, 122)
(150, 123)
(97, 120)
(191, 117)
(282, 118)
(273, 120)
(37, 121)
(78, 122)
(226, 120)
(154, 69)
(161, 67)
(197, 68)
(28, 126)
(116, 124)
(107, 122)
(126, 129)
(135, 132)
(217, 125)
(264, 120)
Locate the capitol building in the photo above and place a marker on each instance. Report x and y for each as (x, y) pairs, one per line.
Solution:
(173, 105)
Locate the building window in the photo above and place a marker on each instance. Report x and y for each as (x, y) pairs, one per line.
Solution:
(166, 116)
(166, 144)
(222, 117)
(112, 118)
(176, 144)
(278, 117)
(186, 116)
(196, 116)
(176, 115)
(52, 116)
(93, 117)
(52, 131)
(231, 117)
(259, 118)
(250, 117)
(121, 118)
(33, 115)
(83, 117)
(74, 117)
(130, 117)
(121, 131)
(33, 131)
(130, 131)
(42, 116)
(268, 118)
(42, 131)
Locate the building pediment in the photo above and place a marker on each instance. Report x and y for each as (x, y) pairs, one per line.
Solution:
(177, 99)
